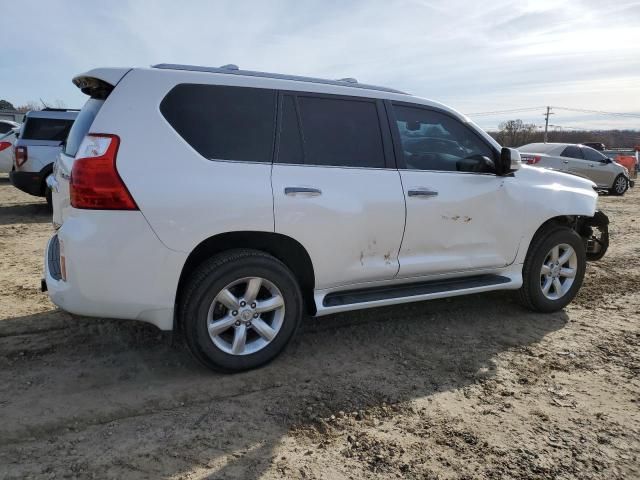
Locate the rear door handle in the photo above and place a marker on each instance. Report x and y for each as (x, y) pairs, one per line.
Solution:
(566, 161)
(305, 191)
(422, 192)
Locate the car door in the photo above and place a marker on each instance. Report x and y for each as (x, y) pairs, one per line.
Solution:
(336, 189)
(597, 167)
(573, 161)
(459, 215)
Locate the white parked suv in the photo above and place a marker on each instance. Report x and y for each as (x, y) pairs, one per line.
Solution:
(227, 203)
(39, 140)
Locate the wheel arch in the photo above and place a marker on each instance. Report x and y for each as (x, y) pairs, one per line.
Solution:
(44, 173)
(581, 224)
(286, 249)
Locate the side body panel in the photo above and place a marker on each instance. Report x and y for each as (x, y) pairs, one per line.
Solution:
(471, 224)
(185, 197)
(39, 154)
(353, 230)
(600, 173)
(116, 268)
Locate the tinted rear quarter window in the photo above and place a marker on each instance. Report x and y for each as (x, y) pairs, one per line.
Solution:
(82, 125)
(49, 129)
(341, 132)
(5, 127)
(221, 122)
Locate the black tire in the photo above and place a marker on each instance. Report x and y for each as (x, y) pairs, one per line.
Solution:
(213, 276)
(617, 190)
(531, 293)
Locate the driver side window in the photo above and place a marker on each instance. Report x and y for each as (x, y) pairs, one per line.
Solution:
(434, 141)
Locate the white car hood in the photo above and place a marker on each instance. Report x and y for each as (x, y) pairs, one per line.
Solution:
(556, 179)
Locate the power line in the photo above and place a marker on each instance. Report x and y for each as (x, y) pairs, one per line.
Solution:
(581, 110)
(601, 112)
(499, 112)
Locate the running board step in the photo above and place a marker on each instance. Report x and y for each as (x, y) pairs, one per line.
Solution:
(364, 295)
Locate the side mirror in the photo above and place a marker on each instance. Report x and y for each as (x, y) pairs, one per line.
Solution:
(510, 161)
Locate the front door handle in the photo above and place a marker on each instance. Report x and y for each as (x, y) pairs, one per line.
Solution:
(422, 192)
(566, 161)
(305, 191)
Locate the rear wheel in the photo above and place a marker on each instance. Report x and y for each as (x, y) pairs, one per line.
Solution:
(553, 270)
(620, 185)
(239, 310)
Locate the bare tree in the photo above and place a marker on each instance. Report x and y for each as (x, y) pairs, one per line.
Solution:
(514, 133)
(27, 107)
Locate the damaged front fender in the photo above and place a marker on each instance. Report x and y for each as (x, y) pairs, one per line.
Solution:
(595, 233)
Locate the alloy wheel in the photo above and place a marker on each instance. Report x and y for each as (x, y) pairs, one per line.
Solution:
(621, 185)
(558, 271)
(245, 316)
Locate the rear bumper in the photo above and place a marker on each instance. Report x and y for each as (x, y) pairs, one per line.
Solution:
(115, 268)
(28, 182)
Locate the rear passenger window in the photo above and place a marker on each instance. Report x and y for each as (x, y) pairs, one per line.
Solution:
(220, 122)
(572, 152)
(341, 132)
(50, 129)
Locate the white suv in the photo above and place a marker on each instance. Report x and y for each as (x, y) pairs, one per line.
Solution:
(226, 203)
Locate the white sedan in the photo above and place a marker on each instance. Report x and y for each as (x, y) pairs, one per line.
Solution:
(6, 151)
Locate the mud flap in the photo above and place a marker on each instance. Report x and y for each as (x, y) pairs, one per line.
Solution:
(595, 232)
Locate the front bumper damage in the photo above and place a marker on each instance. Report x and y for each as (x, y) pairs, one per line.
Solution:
(595, 232)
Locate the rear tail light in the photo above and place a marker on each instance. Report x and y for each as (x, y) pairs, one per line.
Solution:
(21, 155)
(95, 183)
(530, 159)
(4, 145)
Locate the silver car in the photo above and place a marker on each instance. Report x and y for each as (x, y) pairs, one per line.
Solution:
(579, 160)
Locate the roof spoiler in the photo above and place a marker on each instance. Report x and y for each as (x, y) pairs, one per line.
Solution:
(99, 82)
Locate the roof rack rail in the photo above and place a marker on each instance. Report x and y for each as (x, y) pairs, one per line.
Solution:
(52, 109)
(232, 69)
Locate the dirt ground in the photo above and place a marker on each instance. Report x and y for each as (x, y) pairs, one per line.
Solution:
(471, 387)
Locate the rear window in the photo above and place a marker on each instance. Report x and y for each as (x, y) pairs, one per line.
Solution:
(572, 152)
(341, 132)
(50, 129)
(223, 123)
(82, 125)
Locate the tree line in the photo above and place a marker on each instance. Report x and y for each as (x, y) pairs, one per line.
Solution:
(29, 106)
(515, 133)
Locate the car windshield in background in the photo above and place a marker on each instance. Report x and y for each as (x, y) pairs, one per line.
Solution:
(51, 129)
(82, 125)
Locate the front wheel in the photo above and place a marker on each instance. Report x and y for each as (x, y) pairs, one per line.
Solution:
(553, 270)
(620, 185)
(239, 310)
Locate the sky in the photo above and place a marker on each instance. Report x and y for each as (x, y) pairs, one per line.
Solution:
(474, 56)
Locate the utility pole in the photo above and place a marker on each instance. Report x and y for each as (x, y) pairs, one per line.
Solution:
(546, 123)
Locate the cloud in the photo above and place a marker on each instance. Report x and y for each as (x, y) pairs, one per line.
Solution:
(474, 56)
